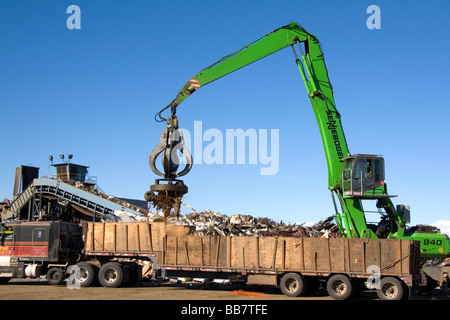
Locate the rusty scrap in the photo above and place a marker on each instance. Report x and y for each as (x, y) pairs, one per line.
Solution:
(167, 197)
(216, 224)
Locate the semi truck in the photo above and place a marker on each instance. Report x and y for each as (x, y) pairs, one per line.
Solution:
(117, 253)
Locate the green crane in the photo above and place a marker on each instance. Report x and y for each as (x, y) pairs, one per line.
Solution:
(351, 178)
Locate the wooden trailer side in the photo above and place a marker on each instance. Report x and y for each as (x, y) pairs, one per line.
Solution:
(176, 246)
(133, 237)
(282, 254)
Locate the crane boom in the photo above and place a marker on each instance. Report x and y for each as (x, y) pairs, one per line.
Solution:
(315, 78)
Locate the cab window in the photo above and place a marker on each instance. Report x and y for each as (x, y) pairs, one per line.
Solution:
(6, 233)
(362, 169)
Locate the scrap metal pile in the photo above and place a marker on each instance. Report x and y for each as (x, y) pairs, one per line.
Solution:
(166, 195)
(217, 224)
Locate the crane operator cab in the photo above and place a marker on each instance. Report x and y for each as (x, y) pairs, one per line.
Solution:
(363, 176)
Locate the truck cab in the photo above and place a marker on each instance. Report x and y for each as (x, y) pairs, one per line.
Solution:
(32, 249)
(363, 176)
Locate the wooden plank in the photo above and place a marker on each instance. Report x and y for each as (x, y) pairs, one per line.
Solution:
(390, 256)
(373, 253)
(149, 226)
(385, 256)
(280, 254)
(266, 247)
(406, 252)
(222, 252)
(322, 253)
(215, 258)
(356, 255)
(398, 262)
(244, 252)
(207, 248)
(228, 250)
(133, 237)
(170, 250)
(186, 251)
(309, 254)
(181, 251)
(257, 253)
(336, 254)
(251, 252)
(164, 250)
(110, 237)
(347, 254)
(89, 236)
(363, 255)
(145, 241)
(280, 259)
(201, 251)
(329, 255)
(121, 237)
(158, 233)
(236, 253)
(194, 247)
(138, 238)
(98, 236)
(274, 253)
(316, 254)
(294, 253)
(303, 254)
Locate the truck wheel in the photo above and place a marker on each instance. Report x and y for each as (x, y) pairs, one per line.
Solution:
(87, 274)
(390, 289)
(340, 287)
(111, 275)
(292, 284)
(55, 276)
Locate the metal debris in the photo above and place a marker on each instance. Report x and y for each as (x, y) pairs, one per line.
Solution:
(166, 196)
(163, 201)
(216, 224)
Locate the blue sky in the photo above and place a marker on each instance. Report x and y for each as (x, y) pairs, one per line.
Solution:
(93, 93)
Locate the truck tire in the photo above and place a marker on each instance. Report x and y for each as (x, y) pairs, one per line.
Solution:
(340, 287)
(88, 274)
(111, 275)
(55, 276)
(292, 284)
(391, 289)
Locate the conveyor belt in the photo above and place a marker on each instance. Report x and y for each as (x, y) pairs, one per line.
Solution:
(87, 200)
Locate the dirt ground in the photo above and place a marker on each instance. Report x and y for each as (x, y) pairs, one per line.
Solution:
(39, 289)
